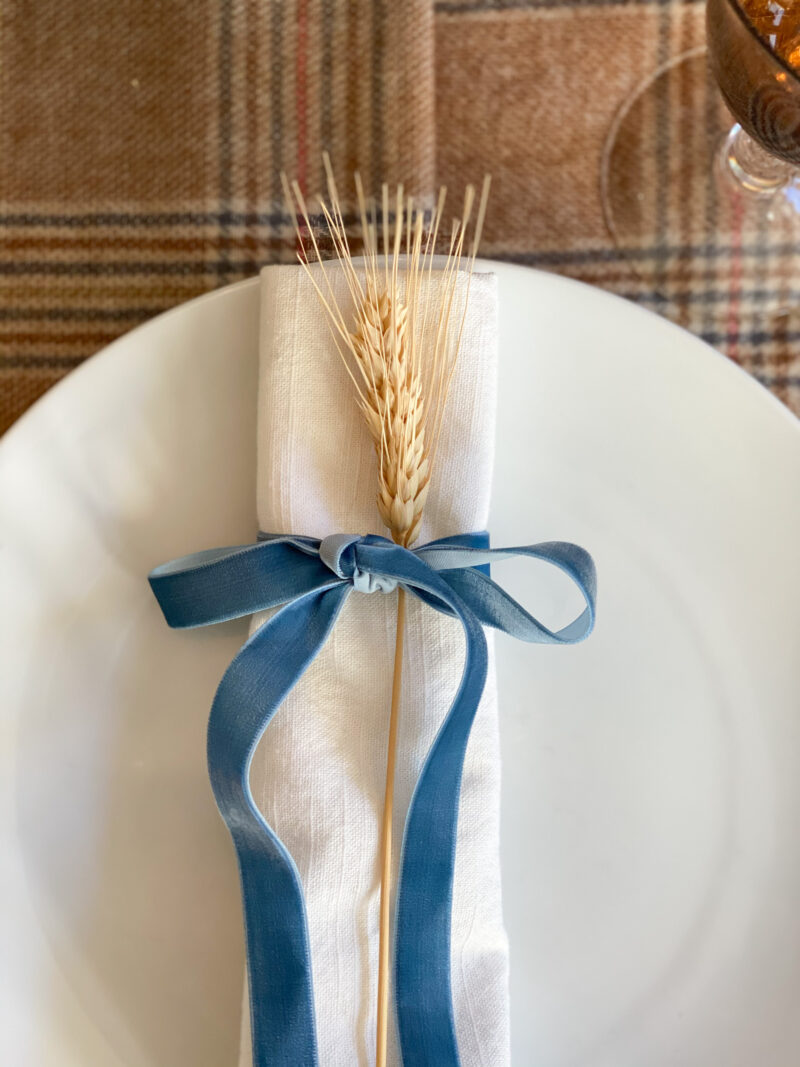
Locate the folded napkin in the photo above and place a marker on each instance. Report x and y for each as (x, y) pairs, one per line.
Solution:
(318, 775)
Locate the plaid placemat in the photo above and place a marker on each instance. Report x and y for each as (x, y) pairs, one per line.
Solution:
(141, 144)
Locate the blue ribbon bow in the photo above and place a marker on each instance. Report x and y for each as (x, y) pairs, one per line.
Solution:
(310, 581)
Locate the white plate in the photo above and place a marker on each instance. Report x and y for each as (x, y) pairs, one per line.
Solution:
(652, 776)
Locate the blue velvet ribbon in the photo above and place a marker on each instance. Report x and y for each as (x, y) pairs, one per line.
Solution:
(309, 581)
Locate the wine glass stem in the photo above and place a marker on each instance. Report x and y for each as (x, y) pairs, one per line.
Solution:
(750, 167)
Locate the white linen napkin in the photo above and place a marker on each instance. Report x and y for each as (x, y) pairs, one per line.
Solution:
(318, 775)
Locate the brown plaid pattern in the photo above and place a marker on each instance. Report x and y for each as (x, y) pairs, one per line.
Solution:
(141, 144)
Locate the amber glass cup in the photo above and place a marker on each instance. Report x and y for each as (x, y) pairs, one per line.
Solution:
(761, 89)
(684, 191)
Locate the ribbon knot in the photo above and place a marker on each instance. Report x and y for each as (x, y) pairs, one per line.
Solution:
(339, 552)
(309, 581)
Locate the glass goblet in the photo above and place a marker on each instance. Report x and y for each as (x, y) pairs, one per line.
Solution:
(696, 204)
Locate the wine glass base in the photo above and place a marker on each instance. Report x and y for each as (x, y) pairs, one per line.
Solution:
(681, 218)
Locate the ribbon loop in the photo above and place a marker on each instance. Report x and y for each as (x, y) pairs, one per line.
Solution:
(336, 552)
(308, 581)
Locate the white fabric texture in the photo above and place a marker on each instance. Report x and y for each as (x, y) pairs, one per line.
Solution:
(318, 774)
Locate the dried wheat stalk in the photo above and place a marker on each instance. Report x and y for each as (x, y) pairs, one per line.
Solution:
(399, 343)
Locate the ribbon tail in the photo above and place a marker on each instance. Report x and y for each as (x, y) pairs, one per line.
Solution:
(422, 958)
(255, 684)
(423, 995)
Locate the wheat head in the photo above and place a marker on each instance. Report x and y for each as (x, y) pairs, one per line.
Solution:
(401, 339)
(393, 410)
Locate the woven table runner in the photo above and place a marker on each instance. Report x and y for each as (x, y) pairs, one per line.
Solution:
(141, 146)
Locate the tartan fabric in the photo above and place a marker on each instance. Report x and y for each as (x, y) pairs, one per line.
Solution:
(141, 145)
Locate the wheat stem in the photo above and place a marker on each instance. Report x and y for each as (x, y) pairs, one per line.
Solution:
(384, 941)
